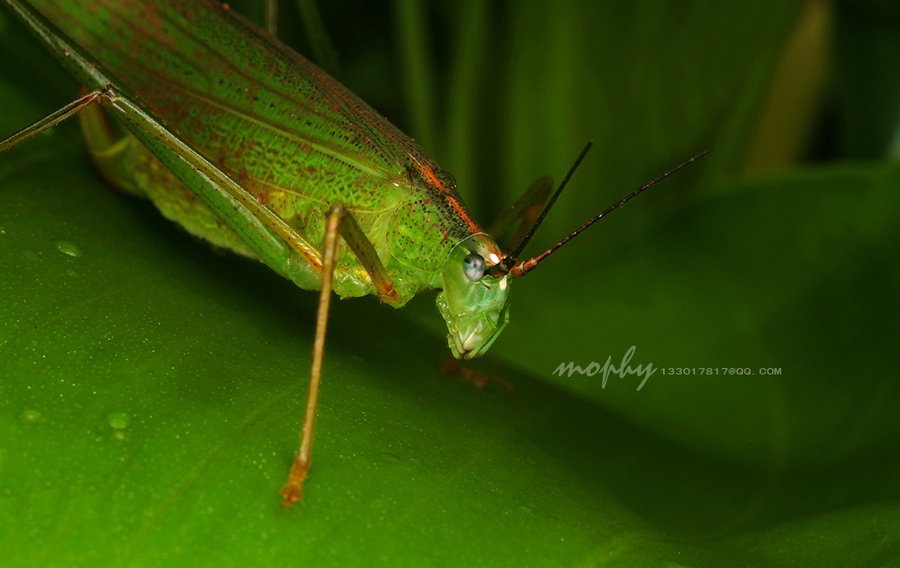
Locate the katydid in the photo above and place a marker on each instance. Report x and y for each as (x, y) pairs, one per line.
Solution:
(248, 145)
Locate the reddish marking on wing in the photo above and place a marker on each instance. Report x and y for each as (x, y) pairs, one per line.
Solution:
(463, 215)
(428, 174)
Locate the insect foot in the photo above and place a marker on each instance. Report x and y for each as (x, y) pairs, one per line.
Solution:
(451, 366)
(292, 492)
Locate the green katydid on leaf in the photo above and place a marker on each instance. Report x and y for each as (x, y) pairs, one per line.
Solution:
(250, 146)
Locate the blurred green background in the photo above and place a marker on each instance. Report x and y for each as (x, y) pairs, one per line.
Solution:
(151, 388)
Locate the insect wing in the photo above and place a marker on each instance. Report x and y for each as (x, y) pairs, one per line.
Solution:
(263, 113)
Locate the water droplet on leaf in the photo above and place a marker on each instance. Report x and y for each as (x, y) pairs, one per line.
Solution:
(31, 416)
(118, 420)
(68, 248)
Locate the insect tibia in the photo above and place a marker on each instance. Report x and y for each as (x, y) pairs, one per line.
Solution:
(51, 120)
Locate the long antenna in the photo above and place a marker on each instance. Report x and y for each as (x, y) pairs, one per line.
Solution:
(553, 198)
(507, 262)
(526, 266)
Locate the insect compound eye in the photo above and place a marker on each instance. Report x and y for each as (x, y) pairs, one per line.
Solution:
(473, 266)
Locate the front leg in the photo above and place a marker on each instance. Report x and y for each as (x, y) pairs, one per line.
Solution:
(451, 366)
(339, 222)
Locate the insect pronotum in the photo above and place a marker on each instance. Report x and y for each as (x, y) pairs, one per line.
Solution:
(250, 146)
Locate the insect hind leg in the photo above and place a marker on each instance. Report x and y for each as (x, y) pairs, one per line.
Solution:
(52, 119)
